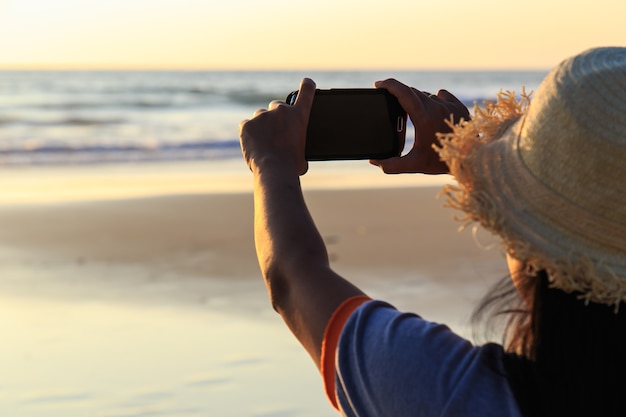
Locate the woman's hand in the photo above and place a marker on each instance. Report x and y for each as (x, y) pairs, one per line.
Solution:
(278, 135)
(429, 114)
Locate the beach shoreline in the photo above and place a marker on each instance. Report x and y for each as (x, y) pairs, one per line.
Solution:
(59, 184)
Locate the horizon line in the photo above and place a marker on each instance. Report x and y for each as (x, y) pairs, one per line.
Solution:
(43, 67)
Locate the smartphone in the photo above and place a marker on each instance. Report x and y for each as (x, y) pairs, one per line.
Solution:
(347, 123)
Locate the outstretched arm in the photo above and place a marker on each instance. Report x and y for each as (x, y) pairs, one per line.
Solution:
(291, 253)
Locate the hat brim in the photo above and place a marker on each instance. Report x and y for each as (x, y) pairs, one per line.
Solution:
(537, 226)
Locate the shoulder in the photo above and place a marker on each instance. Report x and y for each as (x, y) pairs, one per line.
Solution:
(394, 363)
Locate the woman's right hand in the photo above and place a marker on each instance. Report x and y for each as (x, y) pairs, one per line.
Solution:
(429, 114)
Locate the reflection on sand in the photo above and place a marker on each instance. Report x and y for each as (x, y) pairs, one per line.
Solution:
(77, 358)
(134, 351)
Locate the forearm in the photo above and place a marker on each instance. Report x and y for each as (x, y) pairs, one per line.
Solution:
(293, 258)
(286, 238)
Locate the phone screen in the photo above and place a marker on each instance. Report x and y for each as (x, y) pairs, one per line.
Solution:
(355, 124)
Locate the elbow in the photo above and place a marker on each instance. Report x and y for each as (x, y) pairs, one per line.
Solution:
(288, 282)
(278, 287)
(287, 277)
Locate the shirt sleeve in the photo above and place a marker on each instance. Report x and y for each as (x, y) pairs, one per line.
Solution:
(331, 339)
(390, 363)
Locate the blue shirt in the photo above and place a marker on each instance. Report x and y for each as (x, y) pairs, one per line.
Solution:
(397, 364)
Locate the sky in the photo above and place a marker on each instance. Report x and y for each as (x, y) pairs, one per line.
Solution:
(294, 34)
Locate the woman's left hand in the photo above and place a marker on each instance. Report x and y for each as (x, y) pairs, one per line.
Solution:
(278, 135)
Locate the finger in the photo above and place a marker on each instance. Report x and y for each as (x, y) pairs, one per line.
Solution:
(306, 94)
(395, 165)
(242, 124)
(405, 95)
(304, 168)
(461, 112)
(446, 95)
(384, 83)
(259, 111)
(275, 103)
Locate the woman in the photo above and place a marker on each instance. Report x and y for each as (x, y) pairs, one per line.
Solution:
(548, 178)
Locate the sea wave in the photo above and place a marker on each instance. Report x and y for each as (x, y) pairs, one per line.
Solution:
(82, 117)
(64, 154)
(62, 121)
(158, 101)
(109, 104)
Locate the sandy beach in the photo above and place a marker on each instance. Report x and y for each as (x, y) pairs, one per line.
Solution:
(153, 304)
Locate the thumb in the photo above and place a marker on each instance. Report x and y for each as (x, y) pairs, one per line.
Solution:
(303, 103)
(395, 165)
(304, 100)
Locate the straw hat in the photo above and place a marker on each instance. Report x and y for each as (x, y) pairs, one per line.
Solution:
(550, 178)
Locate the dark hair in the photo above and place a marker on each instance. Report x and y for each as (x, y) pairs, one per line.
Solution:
(565, 357)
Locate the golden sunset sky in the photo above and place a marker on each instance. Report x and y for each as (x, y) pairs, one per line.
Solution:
(293, 34)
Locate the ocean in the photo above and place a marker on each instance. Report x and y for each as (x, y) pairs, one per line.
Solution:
(96, 117)
(129, 284)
